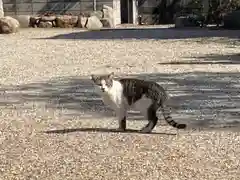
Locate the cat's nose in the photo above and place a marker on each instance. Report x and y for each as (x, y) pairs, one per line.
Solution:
(102, 89)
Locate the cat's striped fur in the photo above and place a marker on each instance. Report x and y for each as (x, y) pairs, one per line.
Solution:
(126, 92)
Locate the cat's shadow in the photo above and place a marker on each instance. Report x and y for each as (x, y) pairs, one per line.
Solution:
(102, 130)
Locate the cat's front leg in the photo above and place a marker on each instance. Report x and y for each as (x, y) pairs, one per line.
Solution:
(121, 115)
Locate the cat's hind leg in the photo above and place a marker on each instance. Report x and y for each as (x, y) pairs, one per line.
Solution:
(121, 113)
(122, 124)
(152, 119)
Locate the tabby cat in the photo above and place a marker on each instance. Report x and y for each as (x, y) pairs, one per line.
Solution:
(146, 96)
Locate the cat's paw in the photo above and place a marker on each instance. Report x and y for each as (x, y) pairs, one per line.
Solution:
(145, 130)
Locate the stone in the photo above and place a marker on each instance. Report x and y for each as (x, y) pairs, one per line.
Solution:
(107, 12)
(1, 9)
(99, 14)
(34, 21)
(24, 20)
(93, 23)
(66, 21)
(82, 21)
(107, 22)
(51, 19)
(45, 24)
(48, 18)
(8, 25)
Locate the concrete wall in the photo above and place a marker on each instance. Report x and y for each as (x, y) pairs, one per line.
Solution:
(1, 9)
(22, 7)
(117, 12)
(135, 12)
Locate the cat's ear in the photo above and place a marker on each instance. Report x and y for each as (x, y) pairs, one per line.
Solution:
(111, 75)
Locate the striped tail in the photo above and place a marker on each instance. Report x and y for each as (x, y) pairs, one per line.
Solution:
(166, 114)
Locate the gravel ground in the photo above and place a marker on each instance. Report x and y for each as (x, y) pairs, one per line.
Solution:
(54, 126)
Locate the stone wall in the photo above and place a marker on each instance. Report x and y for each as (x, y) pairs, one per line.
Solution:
(94, 20)
(32, 7)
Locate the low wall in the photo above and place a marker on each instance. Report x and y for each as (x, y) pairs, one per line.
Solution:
(32, 7)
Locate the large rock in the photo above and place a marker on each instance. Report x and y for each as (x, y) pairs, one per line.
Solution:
(99, 14)
(8, 25)
(45, 24)
(24, 20)
(107, 22)
(34, 22)
(93, 23)
(232, 20)
(48, 18)
(107, 12)
(66, 21)
(1, 9)
(82, 21)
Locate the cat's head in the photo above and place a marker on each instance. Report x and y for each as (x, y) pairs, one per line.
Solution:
(104, 82)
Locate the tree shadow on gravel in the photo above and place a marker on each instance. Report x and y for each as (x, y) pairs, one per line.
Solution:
(146, 33)
(209, 59)
(75, 94)
(203, 100)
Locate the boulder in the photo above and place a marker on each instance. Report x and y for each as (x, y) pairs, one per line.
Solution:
(8, 25)
(34, 21)
(48, 18)
(66, 21)
(107, 12)
(82, 21)
(51, 19)
(93, 23)
(232, 20)
(99, 14)
(45, 24)
(1, 9)
(107, 22)
(24, 20)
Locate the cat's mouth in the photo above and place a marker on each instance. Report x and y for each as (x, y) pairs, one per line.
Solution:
(102, 89)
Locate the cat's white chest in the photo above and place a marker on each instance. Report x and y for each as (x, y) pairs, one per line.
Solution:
(114, 97)
(109, 101)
